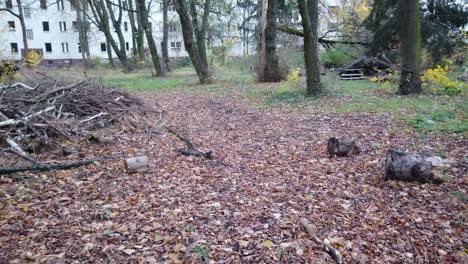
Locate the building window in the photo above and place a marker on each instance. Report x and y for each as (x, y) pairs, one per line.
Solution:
(127, 46)
(125, 26)
(60, 5)
(29, 34)
(172, 27)
(27, 12)
(64, 47)
(14, 47)
(75, 25)
(9, 4)
(11, 26)
(63, 26)
(45, 26)
(79, 47)
(103, 47)
(48, 47)
(43, 4)
(176, 45)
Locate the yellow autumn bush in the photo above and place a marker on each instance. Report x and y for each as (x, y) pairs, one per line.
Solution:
(437, 82)
(293, 81)
(33, 58)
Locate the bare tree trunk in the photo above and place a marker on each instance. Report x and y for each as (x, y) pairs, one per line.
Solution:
(109, 55)
(410, 47)
(200, 30)
(262, 21)
(141, 6)
(271, 72)
(164, 43)
(82, 25)
(131, 17)
(309, 13)
(23, 26)
(201, 68)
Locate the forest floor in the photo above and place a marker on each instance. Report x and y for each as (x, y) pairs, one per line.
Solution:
(270, 169)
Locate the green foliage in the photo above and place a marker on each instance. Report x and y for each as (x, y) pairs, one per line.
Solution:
(335, 57)
(202, 253)
(181, 63)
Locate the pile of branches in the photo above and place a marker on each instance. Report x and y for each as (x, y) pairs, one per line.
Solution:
(32, 117)
(369, 66)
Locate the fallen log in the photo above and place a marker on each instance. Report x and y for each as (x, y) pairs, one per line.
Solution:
(57, 166)
(339, 148)
(334, 254)
(136, 164)
(405, 166)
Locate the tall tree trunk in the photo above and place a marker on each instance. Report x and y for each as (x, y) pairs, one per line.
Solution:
(271, 72)
(262, 21)
(200, 30)
(121, 51)
(309, 13)
(410, 47)
(23, 26)
(131, 17)
(201, 68)
(109, 55)
(82, 25)
(165, 40)
(141, 6)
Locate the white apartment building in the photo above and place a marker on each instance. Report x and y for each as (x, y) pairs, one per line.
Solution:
(51, 30)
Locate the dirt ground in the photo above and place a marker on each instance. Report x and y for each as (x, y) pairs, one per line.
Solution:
(270, 169)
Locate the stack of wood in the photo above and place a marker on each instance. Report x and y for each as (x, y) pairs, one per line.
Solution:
(30, 117)
(365, 67)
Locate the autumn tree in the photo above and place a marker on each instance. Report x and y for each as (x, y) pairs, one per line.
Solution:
(309, 13)
(196, 47)
(410, 47)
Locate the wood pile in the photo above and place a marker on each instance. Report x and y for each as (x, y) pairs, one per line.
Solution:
(365, 67)
(31, 117)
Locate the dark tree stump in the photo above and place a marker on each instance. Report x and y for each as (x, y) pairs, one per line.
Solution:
(405, 166)
(339, 148)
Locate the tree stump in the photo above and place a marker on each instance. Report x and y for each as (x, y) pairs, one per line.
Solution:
(409, 167)
(137, 164)
(339, 148)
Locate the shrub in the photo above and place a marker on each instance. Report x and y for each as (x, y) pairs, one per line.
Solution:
(335, 57)
(33, 58)
(437, 82)
(7, 71)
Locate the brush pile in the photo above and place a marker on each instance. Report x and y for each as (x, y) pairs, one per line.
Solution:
(31, 117)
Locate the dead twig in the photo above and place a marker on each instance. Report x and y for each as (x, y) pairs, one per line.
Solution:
(334, 254)
(191, 150)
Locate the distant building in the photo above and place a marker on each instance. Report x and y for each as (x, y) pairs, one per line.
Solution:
(51, 29)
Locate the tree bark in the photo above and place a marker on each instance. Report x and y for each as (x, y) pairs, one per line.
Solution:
(82, 25)
(410, 47)
(407, 167)
(141, 6)
(270, 70)
(262, 21)
(202, 69)
(165, 40)
(309, 13)
(23, 27)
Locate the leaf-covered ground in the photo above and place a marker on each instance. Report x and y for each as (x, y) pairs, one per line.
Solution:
(270, 169)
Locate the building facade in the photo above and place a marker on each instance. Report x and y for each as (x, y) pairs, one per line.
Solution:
(51, 29)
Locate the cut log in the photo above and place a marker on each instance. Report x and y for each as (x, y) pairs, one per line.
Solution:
(342, 148)
(405, 166)
(137, 164)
